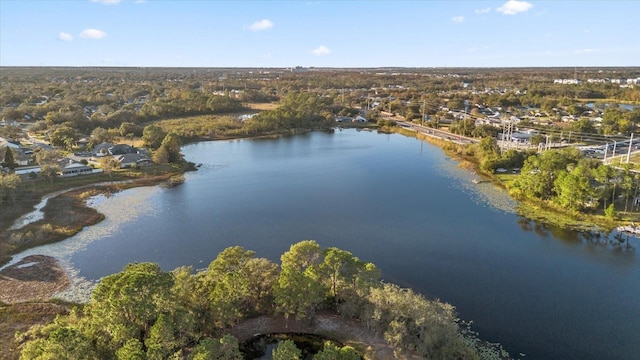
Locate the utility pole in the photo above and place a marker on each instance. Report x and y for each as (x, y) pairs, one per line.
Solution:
(629, 151)
(546, 144)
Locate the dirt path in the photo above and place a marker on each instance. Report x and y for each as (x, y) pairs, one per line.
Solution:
(329, 325)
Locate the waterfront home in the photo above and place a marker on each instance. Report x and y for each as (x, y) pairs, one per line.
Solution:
(132, 160)
(75, 169)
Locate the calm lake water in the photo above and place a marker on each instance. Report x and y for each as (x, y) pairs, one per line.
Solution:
(396, 202)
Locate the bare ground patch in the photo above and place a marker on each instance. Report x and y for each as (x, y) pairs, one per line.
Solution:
(34, 278)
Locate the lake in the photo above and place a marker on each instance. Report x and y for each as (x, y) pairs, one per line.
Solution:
(397, 202)
(628, 107)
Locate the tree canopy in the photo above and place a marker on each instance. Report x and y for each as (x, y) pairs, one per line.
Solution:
(144, 312)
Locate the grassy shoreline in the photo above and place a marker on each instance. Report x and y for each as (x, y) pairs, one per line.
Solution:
(67, 213)
(541, 211)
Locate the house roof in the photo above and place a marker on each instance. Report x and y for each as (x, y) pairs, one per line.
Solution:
(104, 145)
(129, 158)
(120, 149)
(65, 162)
(6, 143)
(76, 166)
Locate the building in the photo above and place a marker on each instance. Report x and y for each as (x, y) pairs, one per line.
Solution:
(76, 169)
(132, 160)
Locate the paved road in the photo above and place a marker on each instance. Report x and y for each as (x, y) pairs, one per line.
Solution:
(436, 132)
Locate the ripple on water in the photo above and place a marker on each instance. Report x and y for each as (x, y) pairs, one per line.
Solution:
(484, 194)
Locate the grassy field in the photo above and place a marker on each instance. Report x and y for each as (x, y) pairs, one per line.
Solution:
(262, 106)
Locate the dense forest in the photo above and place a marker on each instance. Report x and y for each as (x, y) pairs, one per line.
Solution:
(143, 312)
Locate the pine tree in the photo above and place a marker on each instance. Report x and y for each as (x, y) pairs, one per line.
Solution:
(8, 160)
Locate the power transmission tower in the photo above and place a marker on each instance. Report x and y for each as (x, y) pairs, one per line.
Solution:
(507, 131)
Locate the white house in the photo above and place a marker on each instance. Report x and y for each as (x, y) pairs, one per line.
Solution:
(76, 169)
(5, 143)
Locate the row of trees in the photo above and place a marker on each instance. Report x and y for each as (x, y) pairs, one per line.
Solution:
(563, 177)
(143, 312)
(574, 182)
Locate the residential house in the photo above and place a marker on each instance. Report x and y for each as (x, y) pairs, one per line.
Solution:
(75, 169)
(102, 149)
(21, 158)
(521, 137)
(6, 143)
(27, 170)
(132, 160)
(121, 149)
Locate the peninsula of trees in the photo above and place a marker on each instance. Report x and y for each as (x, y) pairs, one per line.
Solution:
(143, 312)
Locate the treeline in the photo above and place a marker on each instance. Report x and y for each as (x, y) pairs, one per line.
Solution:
(143, 312)
(151, 94)
(137, 111)
(297, 110)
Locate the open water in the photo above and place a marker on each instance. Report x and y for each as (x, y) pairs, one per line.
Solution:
(397, 202)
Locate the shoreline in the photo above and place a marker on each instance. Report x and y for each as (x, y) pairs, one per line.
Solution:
(81, 215)
(64, 213)
(112, 208)
(540, 211)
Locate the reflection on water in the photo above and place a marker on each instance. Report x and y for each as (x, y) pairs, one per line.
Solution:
(613, 239)
(547, 292)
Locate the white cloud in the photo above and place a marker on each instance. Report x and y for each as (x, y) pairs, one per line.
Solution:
(457, 19)
(513, 7)
(586, 51)
(261, 25)
(92, 34)
(65, 36)
(321, 50)
(482, 11)
(107, 2)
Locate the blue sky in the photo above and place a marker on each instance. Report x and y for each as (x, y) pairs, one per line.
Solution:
(319, 33)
